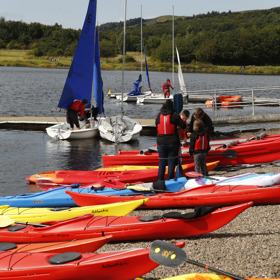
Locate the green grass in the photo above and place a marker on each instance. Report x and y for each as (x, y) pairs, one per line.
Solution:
(22, 58)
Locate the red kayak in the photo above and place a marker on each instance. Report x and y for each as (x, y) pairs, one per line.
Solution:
(127, 264)
(81, 245)
(169, 225)
(90, 177)
(262, 151)
(205, 195)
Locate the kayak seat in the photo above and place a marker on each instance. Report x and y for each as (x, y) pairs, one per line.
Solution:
(64, 258)
(59, 208)
(75, 185)
(150, 218)
(198, 212)
(159, 185)
(97, 188)
(5, 246)
(16, 228)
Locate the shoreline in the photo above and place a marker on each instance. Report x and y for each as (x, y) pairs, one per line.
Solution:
(22, 58)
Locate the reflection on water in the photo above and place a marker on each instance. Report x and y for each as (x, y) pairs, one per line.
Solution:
(27, 152)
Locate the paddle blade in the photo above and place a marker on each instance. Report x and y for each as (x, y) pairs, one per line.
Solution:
(6, 221)
(166, 253)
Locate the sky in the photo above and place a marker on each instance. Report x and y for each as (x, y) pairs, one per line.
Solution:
(71, 13)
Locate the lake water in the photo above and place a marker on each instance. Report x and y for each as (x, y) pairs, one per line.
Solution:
(33, 92)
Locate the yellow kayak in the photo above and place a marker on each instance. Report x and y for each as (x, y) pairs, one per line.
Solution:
(126, 167)
(41, 215)
(208, 276)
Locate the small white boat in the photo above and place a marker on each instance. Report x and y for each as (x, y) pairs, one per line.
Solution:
(157, 98)
(119, 129)
(61, 131)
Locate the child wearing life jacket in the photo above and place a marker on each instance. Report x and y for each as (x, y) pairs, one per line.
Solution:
(199, 146)
(184, 116)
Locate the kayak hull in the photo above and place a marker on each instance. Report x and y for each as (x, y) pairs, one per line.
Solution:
(82, 245)
(206, 195)
(247, 153)
(127, 228)
(40, 215)
(126, 176)
(126, 264)
(208, 276)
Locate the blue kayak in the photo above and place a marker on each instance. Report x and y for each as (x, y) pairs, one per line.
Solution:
(58, 198)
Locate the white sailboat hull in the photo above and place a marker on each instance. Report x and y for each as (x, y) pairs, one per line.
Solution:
(133, 98)
(62, 131)
(153, 99)
(119, 129)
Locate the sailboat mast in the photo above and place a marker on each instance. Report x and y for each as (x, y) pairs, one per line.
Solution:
(173, 47)
(141, 43)
(124, 30)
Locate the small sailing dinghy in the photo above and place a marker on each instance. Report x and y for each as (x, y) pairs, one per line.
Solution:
(120, 128)
(83, 74)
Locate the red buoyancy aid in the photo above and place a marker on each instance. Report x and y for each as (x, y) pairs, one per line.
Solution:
(165, 126)
(166, 85)
(201, 143)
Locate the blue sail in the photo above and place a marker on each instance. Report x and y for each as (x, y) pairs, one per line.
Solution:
(98, 83)
(79, 81)
(147, 71)
(136, 88)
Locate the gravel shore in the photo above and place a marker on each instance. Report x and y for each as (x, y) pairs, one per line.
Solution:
(249, 246)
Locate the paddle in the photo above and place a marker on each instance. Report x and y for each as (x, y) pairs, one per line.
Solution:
(178, 106)
(6, 221)
(193, 174)
(170, 255)
(227, 154)
(46, 183)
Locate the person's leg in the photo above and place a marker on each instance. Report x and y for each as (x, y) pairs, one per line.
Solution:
(76, 121)
(196, 163)
(172, 160)
(163, 154)
(70, 119)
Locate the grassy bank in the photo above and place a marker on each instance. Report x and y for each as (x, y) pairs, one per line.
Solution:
(22, 58)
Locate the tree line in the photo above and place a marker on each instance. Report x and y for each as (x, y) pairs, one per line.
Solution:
(228, 38)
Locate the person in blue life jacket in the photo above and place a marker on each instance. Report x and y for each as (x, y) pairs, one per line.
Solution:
(166, 88)
(199, 146)
(168, 123)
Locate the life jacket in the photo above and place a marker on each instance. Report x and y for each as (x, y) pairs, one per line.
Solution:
(201, 143)
(165, 126)
(166, 85)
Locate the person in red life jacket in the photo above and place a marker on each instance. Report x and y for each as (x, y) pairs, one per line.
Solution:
(199, 146)
(168, 141)
(75, 110)
(184, 116)
(166, 88)
(201, 115)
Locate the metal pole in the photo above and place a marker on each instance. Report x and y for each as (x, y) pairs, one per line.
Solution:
(141, 43)
(173, 48)
(253, 103)
(124, 27)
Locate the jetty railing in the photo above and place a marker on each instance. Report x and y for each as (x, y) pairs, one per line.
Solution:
(255, 101)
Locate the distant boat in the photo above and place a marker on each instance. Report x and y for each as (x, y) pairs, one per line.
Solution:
(120, 129)
(84, 69)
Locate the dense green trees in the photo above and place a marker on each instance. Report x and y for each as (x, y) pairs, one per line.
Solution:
(241, 38)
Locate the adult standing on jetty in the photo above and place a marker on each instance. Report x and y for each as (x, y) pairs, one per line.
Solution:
(201, 115)
(77, 108)
(166, 88)
(168, 141)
